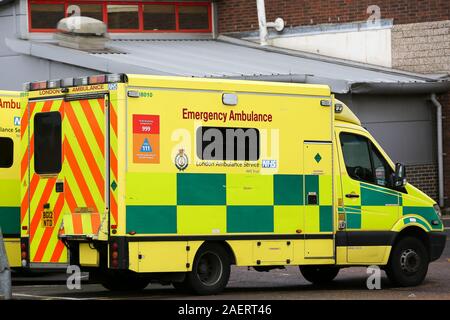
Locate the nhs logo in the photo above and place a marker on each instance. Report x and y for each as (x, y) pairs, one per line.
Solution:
(271, 164)
(17, 121)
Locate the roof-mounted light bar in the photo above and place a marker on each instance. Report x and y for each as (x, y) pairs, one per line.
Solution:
(54, 84)
(75, 82)
(38, 85)
(97, 79)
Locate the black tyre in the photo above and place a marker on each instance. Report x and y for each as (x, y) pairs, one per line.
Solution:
(123, 282)
(319, 274)
(210, 270)
(408, 263)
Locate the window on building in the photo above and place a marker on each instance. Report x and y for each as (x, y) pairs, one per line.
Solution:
(123, 17)
(46, 16)
(47, 143)
(219, 143)
(159, 17)
(86, 10)
(193, 17)
(6, 152)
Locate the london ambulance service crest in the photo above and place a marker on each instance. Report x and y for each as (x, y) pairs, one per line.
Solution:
(181, 160)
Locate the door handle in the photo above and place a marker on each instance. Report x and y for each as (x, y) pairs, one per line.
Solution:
(352, 195)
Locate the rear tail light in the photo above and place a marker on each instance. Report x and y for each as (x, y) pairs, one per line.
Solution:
(114, 255)
(24, 251)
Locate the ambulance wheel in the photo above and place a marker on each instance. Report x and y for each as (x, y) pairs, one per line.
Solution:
(319, 274)
(210, 270)
(123, 282)
(408, 263)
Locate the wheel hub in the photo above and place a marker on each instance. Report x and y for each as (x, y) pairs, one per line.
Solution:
(209, 269)
(410, 261)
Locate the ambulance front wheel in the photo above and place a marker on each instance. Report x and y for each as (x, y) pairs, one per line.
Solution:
(210, 270)
(408, 263)
(319, 274)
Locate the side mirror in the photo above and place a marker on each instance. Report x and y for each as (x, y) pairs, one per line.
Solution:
(400, 175)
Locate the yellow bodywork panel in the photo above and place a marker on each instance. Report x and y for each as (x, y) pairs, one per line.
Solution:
(12, 247)
(273, 252)
(158, 256)
(319, 249)
(89, 257)
(365, 254)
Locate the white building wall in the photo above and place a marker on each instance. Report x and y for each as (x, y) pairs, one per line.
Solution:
(368, 46)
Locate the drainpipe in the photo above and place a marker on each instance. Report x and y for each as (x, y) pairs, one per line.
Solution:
(440, 145)
(263, 24)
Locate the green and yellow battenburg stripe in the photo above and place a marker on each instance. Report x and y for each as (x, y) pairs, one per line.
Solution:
(386, 208)
(209, 204)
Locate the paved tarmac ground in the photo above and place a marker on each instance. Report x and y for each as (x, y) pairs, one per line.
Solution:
(277, 284)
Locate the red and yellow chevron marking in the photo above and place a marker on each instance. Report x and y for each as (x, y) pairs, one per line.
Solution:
(82, 204)
(113, 194)
(84, 166)
(44, 243)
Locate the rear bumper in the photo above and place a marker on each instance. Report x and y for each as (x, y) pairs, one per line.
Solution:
(437, 244)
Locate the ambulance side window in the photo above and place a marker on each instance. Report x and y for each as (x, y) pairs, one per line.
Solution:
(6, 152)
(356, 151)
(364, 162)
(47, 143)
(225, 143)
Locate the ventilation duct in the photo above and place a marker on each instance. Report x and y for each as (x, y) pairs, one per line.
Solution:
(82, 33)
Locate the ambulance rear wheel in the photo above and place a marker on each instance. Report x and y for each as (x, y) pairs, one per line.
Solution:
(210, 270)
(319, 274)
(408, 263)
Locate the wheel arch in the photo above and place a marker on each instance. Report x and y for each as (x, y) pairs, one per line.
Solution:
(416, 231)
(224, 245)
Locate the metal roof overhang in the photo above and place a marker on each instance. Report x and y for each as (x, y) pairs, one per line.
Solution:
(237, 59)
(437, 87)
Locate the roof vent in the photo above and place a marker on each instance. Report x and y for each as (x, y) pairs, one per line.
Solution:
(82, 33)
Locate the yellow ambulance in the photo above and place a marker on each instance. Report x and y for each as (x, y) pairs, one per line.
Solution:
(9, 174)
(176, 179)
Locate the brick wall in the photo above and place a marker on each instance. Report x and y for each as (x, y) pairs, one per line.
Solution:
(422, 47)
(425, 178)
(425, 48)
(241, 15)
